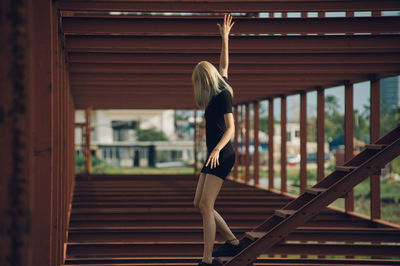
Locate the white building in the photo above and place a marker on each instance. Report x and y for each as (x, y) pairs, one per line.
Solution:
(114, 137)
(111, 126)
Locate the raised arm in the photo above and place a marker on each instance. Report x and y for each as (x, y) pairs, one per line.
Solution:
(224, 58)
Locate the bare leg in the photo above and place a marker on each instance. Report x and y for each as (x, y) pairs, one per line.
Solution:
(212, 186)
(221, 225)
(223, 228)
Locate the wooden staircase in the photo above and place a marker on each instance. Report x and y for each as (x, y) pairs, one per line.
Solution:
(275, 229)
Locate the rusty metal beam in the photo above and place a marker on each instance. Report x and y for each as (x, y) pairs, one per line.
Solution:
(256, 171)
(375, 102)
(77, 78)
(195, 140)
(132, 248)
(236, 141)
(303, 142)
(183, 25)
(348, 137)
(238, 44)
(235, 69)
(247, 141)
(132, 104)
(160, 85)
(151, 89)
(228, 6)
(283, 144)
(242, 141)
(236, 58)
(270, 143)
(88, 134)
(44, 197)
(320, 134)
(195, 233)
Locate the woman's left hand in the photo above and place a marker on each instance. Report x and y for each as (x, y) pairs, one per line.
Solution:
(226, 27)
(213, 158)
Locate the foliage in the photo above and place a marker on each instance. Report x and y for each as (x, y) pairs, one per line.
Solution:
(334, 121)
(98, 165)
(79, 160)
(182, 115)
(361, 127)
(151, 134)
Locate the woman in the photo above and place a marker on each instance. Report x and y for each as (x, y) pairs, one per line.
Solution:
(212, 92)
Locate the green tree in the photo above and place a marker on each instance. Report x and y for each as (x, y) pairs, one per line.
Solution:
(361, 127)
(151, 134)
(389, 116)
(183, 114)
(334, 121)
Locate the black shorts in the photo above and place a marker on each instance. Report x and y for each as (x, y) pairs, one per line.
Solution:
(226, 160)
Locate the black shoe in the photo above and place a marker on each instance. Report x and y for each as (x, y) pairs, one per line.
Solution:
(202, 263)
(228, 249)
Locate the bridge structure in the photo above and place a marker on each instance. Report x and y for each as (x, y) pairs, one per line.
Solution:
(63, 55)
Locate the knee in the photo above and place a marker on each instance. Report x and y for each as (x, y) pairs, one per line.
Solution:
(205, 207)
(196, 204)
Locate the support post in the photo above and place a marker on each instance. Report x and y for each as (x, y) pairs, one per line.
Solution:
(242, 144)
(283, 144)
(236, 141)
(195, 139)
(320, 134)
(303, 142)
(271, 143)
(87, 141)
(375, 185)
(348, 137)
(247, 163)
(256, 173)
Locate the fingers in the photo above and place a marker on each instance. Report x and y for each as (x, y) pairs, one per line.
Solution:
(228, 21)
(213, 161)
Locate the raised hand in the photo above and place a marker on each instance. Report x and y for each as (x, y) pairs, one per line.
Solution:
(226, 28)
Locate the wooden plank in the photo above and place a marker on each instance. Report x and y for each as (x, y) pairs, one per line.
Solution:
(284, 213)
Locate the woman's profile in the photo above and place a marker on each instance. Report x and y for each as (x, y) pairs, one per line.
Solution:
(214, 94)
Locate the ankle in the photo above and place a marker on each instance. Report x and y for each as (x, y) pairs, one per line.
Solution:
(207, 261)
(234, 241)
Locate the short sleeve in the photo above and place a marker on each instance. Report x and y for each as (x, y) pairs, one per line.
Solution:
(226, 102)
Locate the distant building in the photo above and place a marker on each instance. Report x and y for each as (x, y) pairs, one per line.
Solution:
(390, 91)
(114, 137)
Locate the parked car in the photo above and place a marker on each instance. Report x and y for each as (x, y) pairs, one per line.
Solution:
(293, 160)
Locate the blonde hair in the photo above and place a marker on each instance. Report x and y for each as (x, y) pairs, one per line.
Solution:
(207, 82)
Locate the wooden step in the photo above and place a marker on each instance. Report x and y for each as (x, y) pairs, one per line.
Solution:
(253, 235)
(345, 168)
(315, 190)
(284, 213)
(222, 260)
(318, 190)
(375, 146)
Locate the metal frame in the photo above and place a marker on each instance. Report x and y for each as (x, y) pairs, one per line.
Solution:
(65, 59)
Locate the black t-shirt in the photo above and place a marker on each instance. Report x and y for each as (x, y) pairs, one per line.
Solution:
(214, 115)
